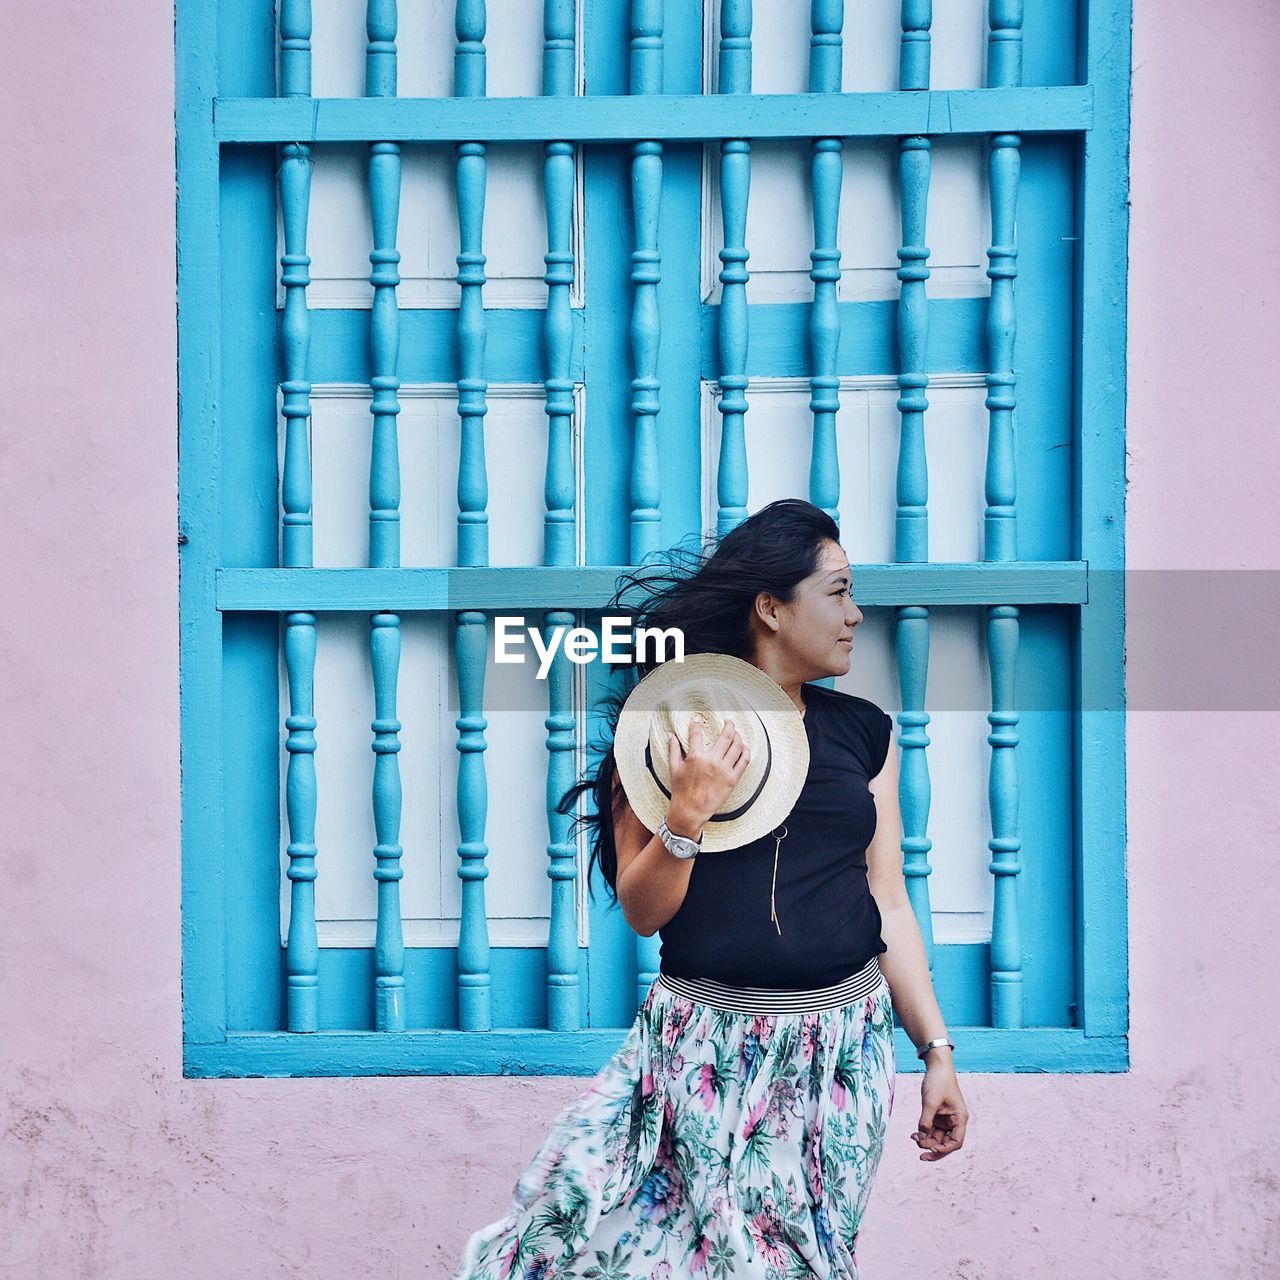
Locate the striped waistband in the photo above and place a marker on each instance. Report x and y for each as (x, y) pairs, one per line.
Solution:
(733, 999)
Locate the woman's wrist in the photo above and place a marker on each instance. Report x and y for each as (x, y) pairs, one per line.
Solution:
(685, 821)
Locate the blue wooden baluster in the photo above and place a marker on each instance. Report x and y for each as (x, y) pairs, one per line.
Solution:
(384, 525)
(735, 184)
(384, 653)
(827, 169)
(646, 271)
(912, 518)
(558, 75)
(911, 651)
(302, 952)
(471, 641)
(1004, 69)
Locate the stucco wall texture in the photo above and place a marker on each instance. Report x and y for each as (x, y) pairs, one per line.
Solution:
(112, 1164)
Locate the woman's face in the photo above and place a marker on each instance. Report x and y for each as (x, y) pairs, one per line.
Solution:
(817, 626)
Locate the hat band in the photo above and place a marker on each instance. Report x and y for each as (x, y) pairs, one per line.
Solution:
(742, 808)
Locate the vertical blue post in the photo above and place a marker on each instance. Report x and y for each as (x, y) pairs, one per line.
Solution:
(471, 640)
(646, 272)
(302, 952)
(384, 524)
(1004, 69)
(912, 517)
(735, 184)
(558, 77)
(826, 49)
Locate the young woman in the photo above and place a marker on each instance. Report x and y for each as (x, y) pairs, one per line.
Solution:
(737, 1130)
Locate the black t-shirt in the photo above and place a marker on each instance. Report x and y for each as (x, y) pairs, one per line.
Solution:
(830, 922)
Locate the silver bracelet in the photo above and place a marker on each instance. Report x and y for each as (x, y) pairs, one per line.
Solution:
(933, 1044)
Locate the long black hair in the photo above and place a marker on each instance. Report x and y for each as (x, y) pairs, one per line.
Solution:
(706, 587)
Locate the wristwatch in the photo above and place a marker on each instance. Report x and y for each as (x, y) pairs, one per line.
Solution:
(679, 846)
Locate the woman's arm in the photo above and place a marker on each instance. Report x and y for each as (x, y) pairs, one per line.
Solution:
(651, 882)
(905, 964)
(906, 969)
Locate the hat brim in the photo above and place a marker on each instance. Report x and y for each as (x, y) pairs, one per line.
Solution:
(783, 723)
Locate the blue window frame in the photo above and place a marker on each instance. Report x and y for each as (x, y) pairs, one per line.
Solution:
(1048, 991)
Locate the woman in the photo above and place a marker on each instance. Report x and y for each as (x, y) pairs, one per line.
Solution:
(737, 1130)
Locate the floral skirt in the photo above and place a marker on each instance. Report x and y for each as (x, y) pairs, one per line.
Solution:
(734, 1135)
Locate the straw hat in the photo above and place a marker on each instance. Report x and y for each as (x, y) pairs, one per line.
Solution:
(717, 687)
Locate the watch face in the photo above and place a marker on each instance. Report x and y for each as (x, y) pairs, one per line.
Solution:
(680, 846)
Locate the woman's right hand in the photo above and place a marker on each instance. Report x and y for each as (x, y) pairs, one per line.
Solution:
(702, 778)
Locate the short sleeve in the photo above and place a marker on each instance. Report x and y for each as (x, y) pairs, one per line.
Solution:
(883, 737)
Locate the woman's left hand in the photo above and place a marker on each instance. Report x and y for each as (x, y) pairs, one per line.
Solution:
(943, 1114)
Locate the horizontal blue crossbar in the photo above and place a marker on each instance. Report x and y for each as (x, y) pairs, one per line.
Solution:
(429, 346)
(586, 587)
(583, 1053)
(672, 117)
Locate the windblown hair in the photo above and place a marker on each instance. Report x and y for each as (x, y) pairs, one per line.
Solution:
(708, 590)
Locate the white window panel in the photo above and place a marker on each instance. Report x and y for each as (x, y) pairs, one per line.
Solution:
(339, 235)
(961, 886)
(780, 221)
(429, 435)
(779, 208)
(517, 891)
(955, 435)
(340, 238)
(779, 433)
(872, 38)
(515, 701)
(425, 42)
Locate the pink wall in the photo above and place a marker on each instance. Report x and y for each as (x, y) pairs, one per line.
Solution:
(111, 1164)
